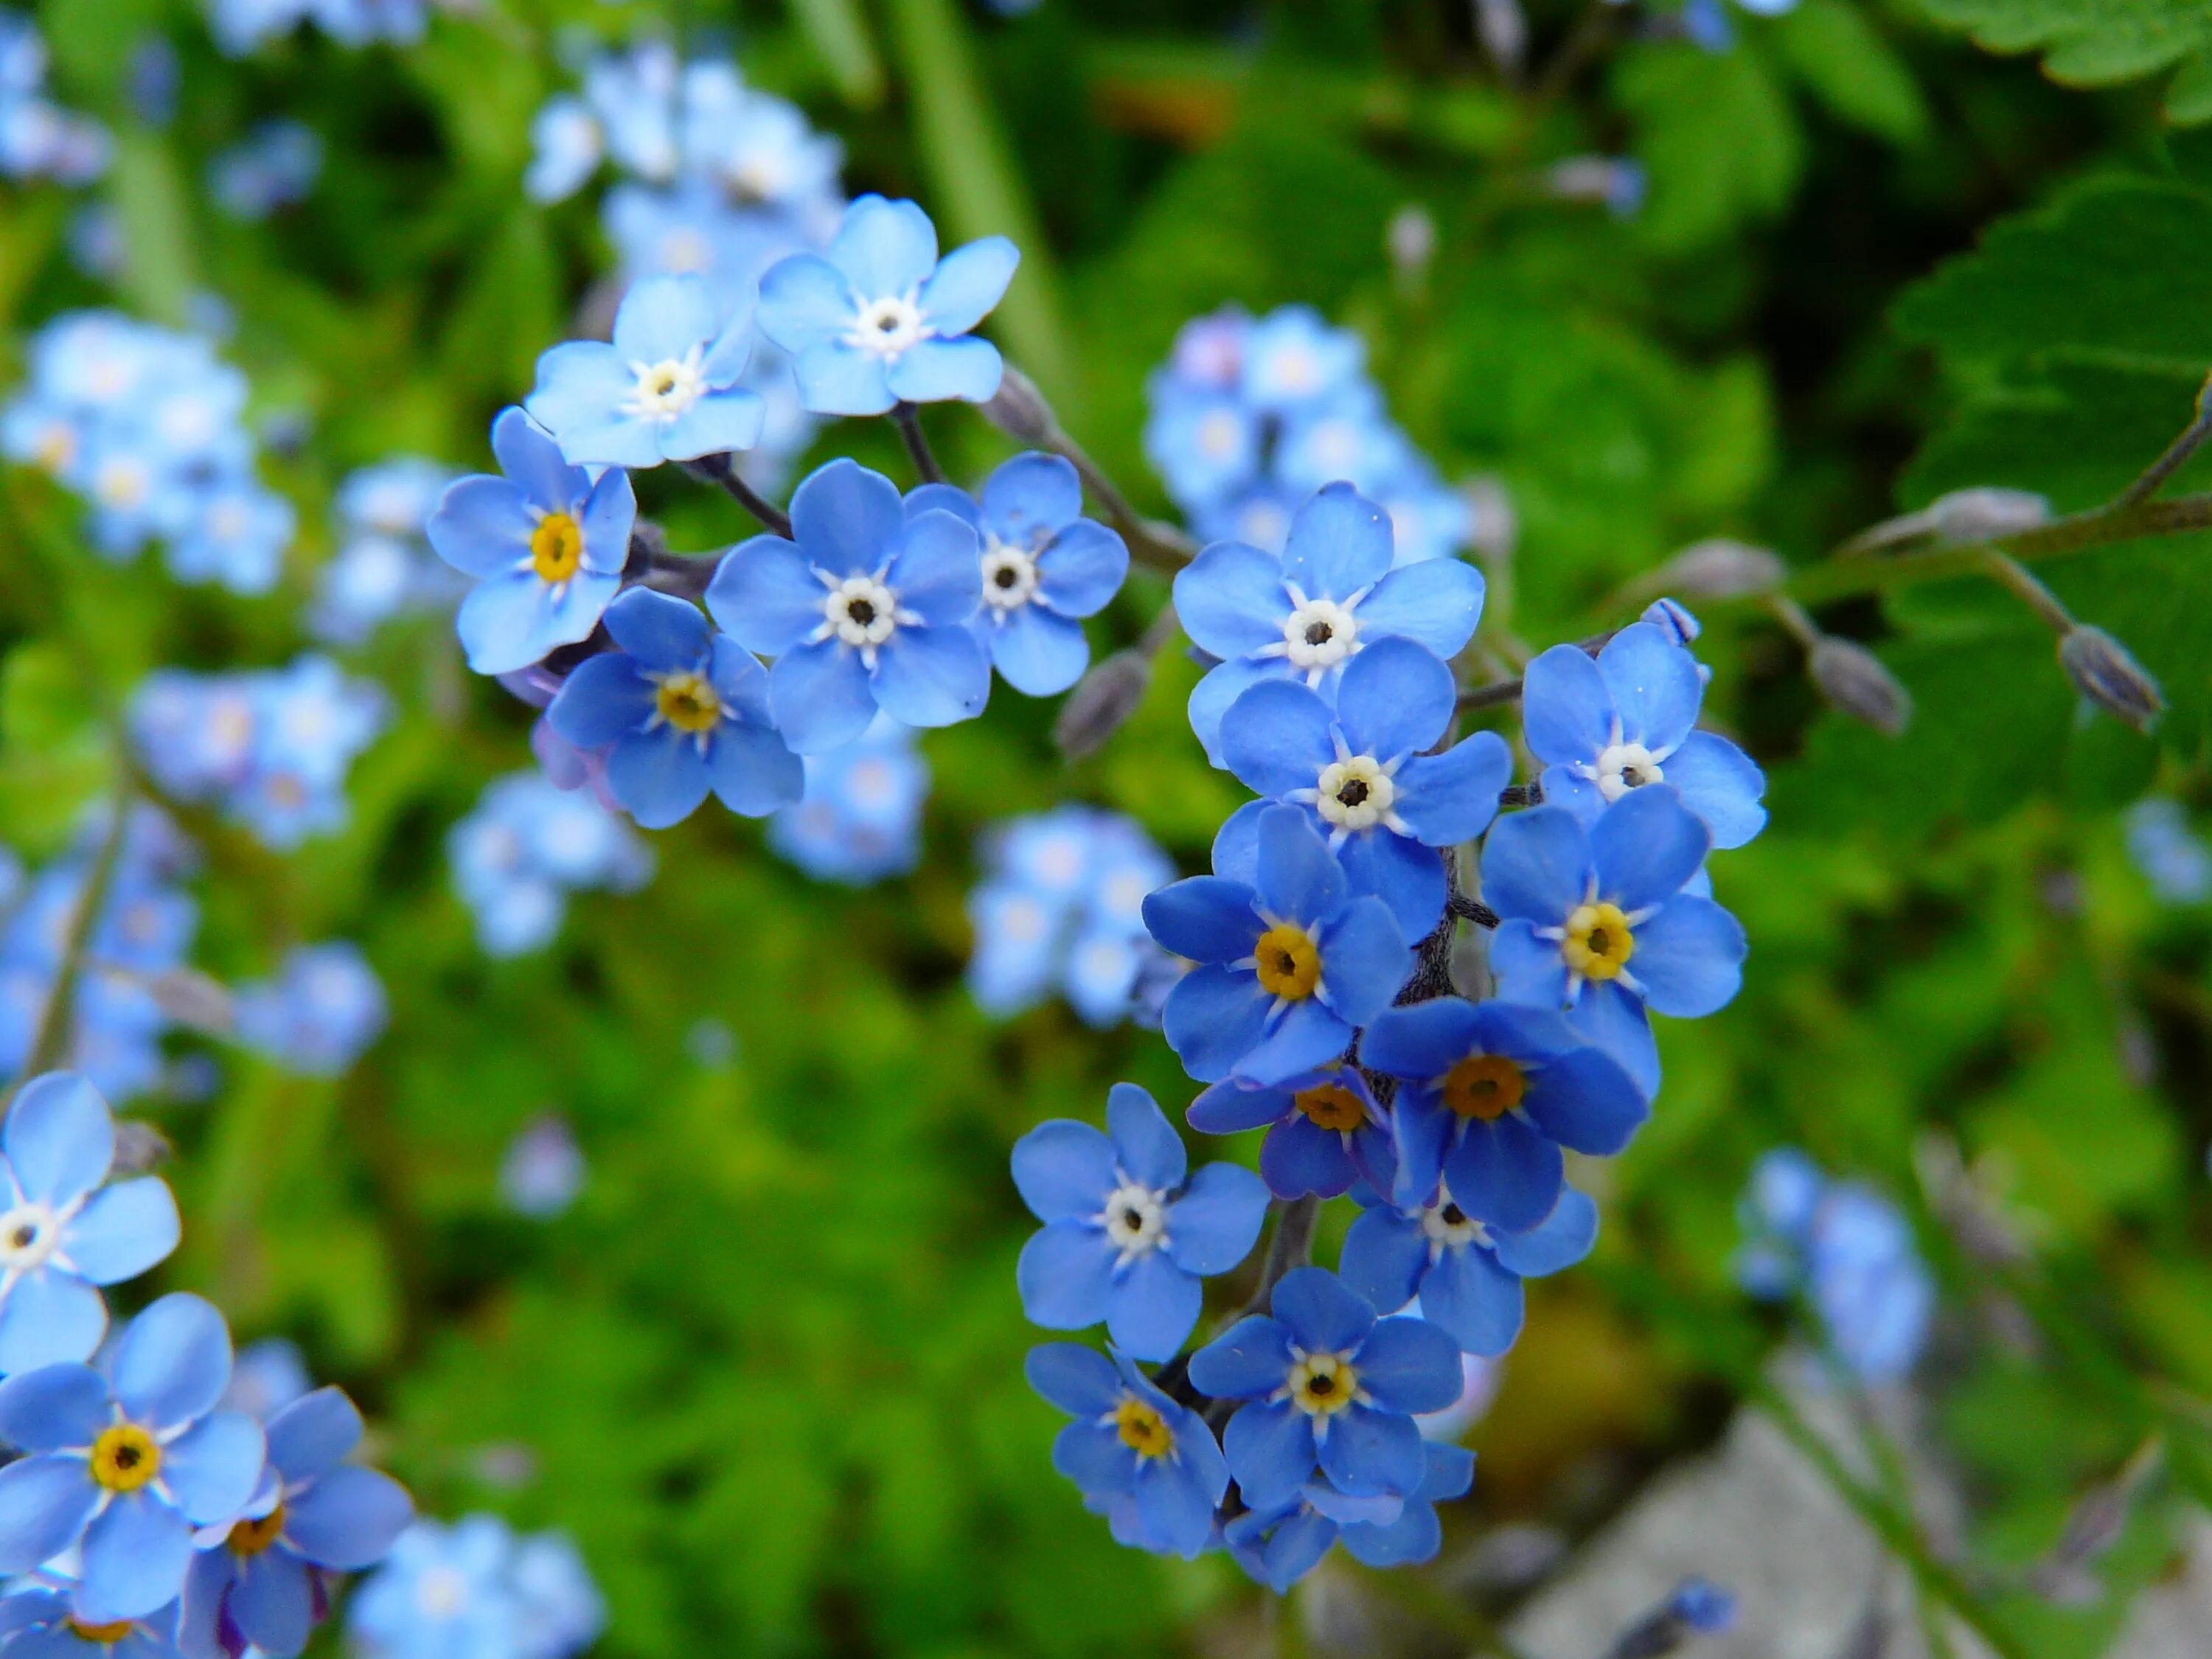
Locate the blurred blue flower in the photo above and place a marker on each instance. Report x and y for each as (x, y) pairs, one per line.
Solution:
(1325, 1130)
(1203, 440)
(2171, 858)
(1291, 357)
(1150, 1463)
(265, 1377)
(566, 143)
(474, 1591)
(543, 1169)
(859, 819)
(384, 565)
(275, 166)
(234, 533)
(527, 845)
(1129, 1230)
(323, 1010)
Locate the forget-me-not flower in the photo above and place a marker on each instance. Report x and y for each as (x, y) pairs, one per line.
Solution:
(1291, 961)
(1416, 1535)
(859, 819)
(1305, 615)
(1279, 1544)
(864, 608)
(1363, 769)
(1324, 1129)
(38, 1621)
(547, 544)
(1129, 1230)
(1045, 566)
(1150, 1463)
(1596, 920)
(681, 709)
(664, 390)
(877, 319)
(320, 1014)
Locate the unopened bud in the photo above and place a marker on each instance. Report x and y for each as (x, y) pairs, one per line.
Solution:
(139, 1147)
(188, 997)
(1613, 182)
(1496, 525)
(1102, 700)
(1019, 409)
(1853, 678)
(1720, 570)
(1985, 513)
(1411, 238)
(2103, 671)
(1673, 619)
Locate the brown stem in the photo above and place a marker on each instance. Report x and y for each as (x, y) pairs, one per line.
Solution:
(722, 470)
(50, 1046)
(908, 419)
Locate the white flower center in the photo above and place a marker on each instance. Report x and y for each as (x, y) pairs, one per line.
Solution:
(1136, 1219)
(123, 484)
(1624, 767)
(1010, 575)
(1024, 921)
(870, 784)
(686, 251)
(29, 1233)
(1321, 634)
(889, 325)
(1355, 793)
(861, 611)
(228, 522)
(441, 1592)
(1449, 1227)
(1218, 433)
(668, 388)
(1297, 371)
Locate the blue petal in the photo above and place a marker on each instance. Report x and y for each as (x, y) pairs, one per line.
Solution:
(1536, 864)
(1176, 1506)
(1213, 1018)
(50, 1318)
(1655, 685)
(1236, 851)
(1613, 1018)
(930, 676)
(1395, 698)
(482, 526)
(657, 777)
(1415, 1536)
(1585, 1100)
(1719, 783)
(1364, 961)
(1083, 568)
(214, 1467)
(1037, 654)
(1645, 846)
(1307, 1035)
(272, 1603)
(1367, 1451)
(1567, 712)
(1451, 798)
(603, 699)
(135, 1557)
(1078, 1380)
(349, 1519)
(663, 317)
(1228, 1108)
(1473, 1300)
(1065, 1274)
(51, 1406)
(805, 303)
(1321, 1313)
(1247, 1360)
(122, 1230)
(1409, 1365)
(968, 282)
(718, 424)
(1422, 1128)
(1505, 1173)
(765, 595)
(313, 1434)
(660, 630)
(1206, 918)
(943, 498)
(1031, 494)
(1152, 1308)
(1063, 1170)
(846, 519)
(1216, 1222)
(884, 247)
(1689, 958)
(1092, 1455)
(172, 1363)
(937, 371)
(821, 697)
(1436, 604)
(59, 1138)
(1146, 1144)
(1296, 1549)
(1421, 1040)
(1230, 600)
(1339, 542)
(1529, 971)
(936, 571)
(752, 771)
(1275, 737)
(1270, 1449)
(527, 454)
(1299, 1156)
(44, 1503)
(1558, 1241)
(1299, 880)
(1449, 1473)
(509, 623)
(1223, 685)
(1407, 876)
(1384, 1254)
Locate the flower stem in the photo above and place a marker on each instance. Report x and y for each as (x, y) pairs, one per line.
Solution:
(908, 419)
(722, 470)
(49, 1047)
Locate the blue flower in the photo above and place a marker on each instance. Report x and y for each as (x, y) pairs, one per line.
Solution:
(664, 390)
(683, 709)
(1328, 1385)
(1468, 1276)
(61, 1232)
(1596, 921)
(1490, 1091)
(129, 1462)
(1324, 1130)
(859, 819)
(1364, 771)
(323, 1011)
(1129, 1232)
(1345, 436)
(565, 146)
(863, 608)
(1291, 357)
(320, 1514)
(1044, 567)
(878, 320)
(1416, 1535)
(1304, 616)
(1280, 1543)
(547, 544)
(1606, 727)
(235, 534)
(1149, 1462)
(37, 1622)
(526, 845)
(1292, 960)
(1203, 441)
(1064, 905)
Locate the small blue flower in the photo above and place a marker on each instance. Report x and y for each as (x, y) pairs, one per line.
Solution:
(37, 1621)
(320, 1014)
(859, 819)
(1203, 441)
(1291, 961)
(666, 390)
(681, 709)
(1490, 1091)
(1364, 771)
(1045, 566)
(566, 145)
(1606, 727)
(61, 1232)
(1281, 1543)
(1328, 1385)
(547, 544)
(1149, 1462)
(1324, 1130)
(1596, 921)
(318, 1514)
(1851, 1252)
(1291, 357)
(863, 608)
(474, 1591)
(1128, 1230)
(1468, 1276)
(1428, 519)
(1347, 435)
(1416, 1535)
(1305, 615)
(129, 1463)
(878, 319)
(235, 534)
(2176, 865)
(1702, 1605)
(1064, 906)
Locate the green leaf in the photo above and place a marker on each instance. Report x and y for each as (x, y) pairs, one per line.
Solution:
(2099, 42)
(1718, 136)
(1840, 57)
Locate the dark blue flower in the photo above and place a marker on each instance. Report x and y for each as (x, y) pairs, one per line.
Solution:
(1466, 1275)
(1604, 727)
(1364, 770)
(1490, 1093)
(1281, 1543)
(1324, 1129)
(1328, 1386)
(1291, 963)
(1304, 615)
(863, 608)
(1416, 1535)
(1596, 921)
(1150, 1463)
(681, 709)
(1044, 567)
(1128, 1230)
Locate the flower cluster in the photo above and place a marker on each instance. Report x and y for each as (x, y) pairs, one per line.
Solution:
(525, 847)
(1250, 416)
(139, 1508)
(271, 747)
(324, 1008)
(858, 818)
(39, 139)
(383, 567)
(239, 26)
(1849, 1252)
(476, 1588)
(146, 424)
(1062, 908)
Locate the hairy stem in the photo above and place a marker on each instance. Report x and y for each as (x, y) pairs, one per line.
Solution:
(2016, 577)
(907, 418)
(2177, 453)
(722, 470)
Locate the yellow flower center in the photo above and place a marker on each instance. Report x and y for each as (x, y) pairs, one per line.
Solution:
(687, 701)
(1485, 1086)
(1331, 1106)
(556, 548)
(252, 1537)
(1321, 1384)
(125, 1458)
(105, 1636)
(1598, 944)
(1289, 961)
(1142, 1429)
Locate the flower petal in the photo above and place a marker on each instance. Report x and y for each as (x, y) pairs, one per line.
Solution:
(44, 1502)
(1339, 542)
(1566, 711)
(968, 282)
(59, 1138)
(1275, 737)
(1396, 697)
(1078, 1380)
(1436, 604)
(931, 676)
(1655, 685)
(349, 1519)
(1063, 1170)
(1536, 864)
(821, 697)
(1214, 1224)
(1066, 1276)
(1645, 846)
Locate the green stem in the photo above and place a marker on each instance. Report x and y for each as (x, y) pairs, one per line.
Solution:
(51, 1044)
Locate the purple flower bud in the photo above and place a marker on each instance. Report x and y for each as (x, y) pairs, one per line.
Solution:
(1853, 678)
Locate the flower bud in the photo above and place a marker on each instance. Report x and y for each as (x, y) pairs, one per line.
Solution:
(1720, 570)
(1853, 678)
(1103, 699)
(188, 997)
(1497, 527)
(2103, 671)
(1675, 620)
(1985, 513)
(139, 1147)
(1019, 409)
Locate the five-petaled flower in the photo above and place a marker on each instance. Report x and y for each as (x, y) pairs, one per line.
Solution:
(1149, 1463)
(1129, 1231)
(1325, 1129)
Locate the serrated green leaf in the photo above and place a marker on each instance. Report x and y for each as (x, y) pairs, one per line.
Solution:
(2096, 42)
